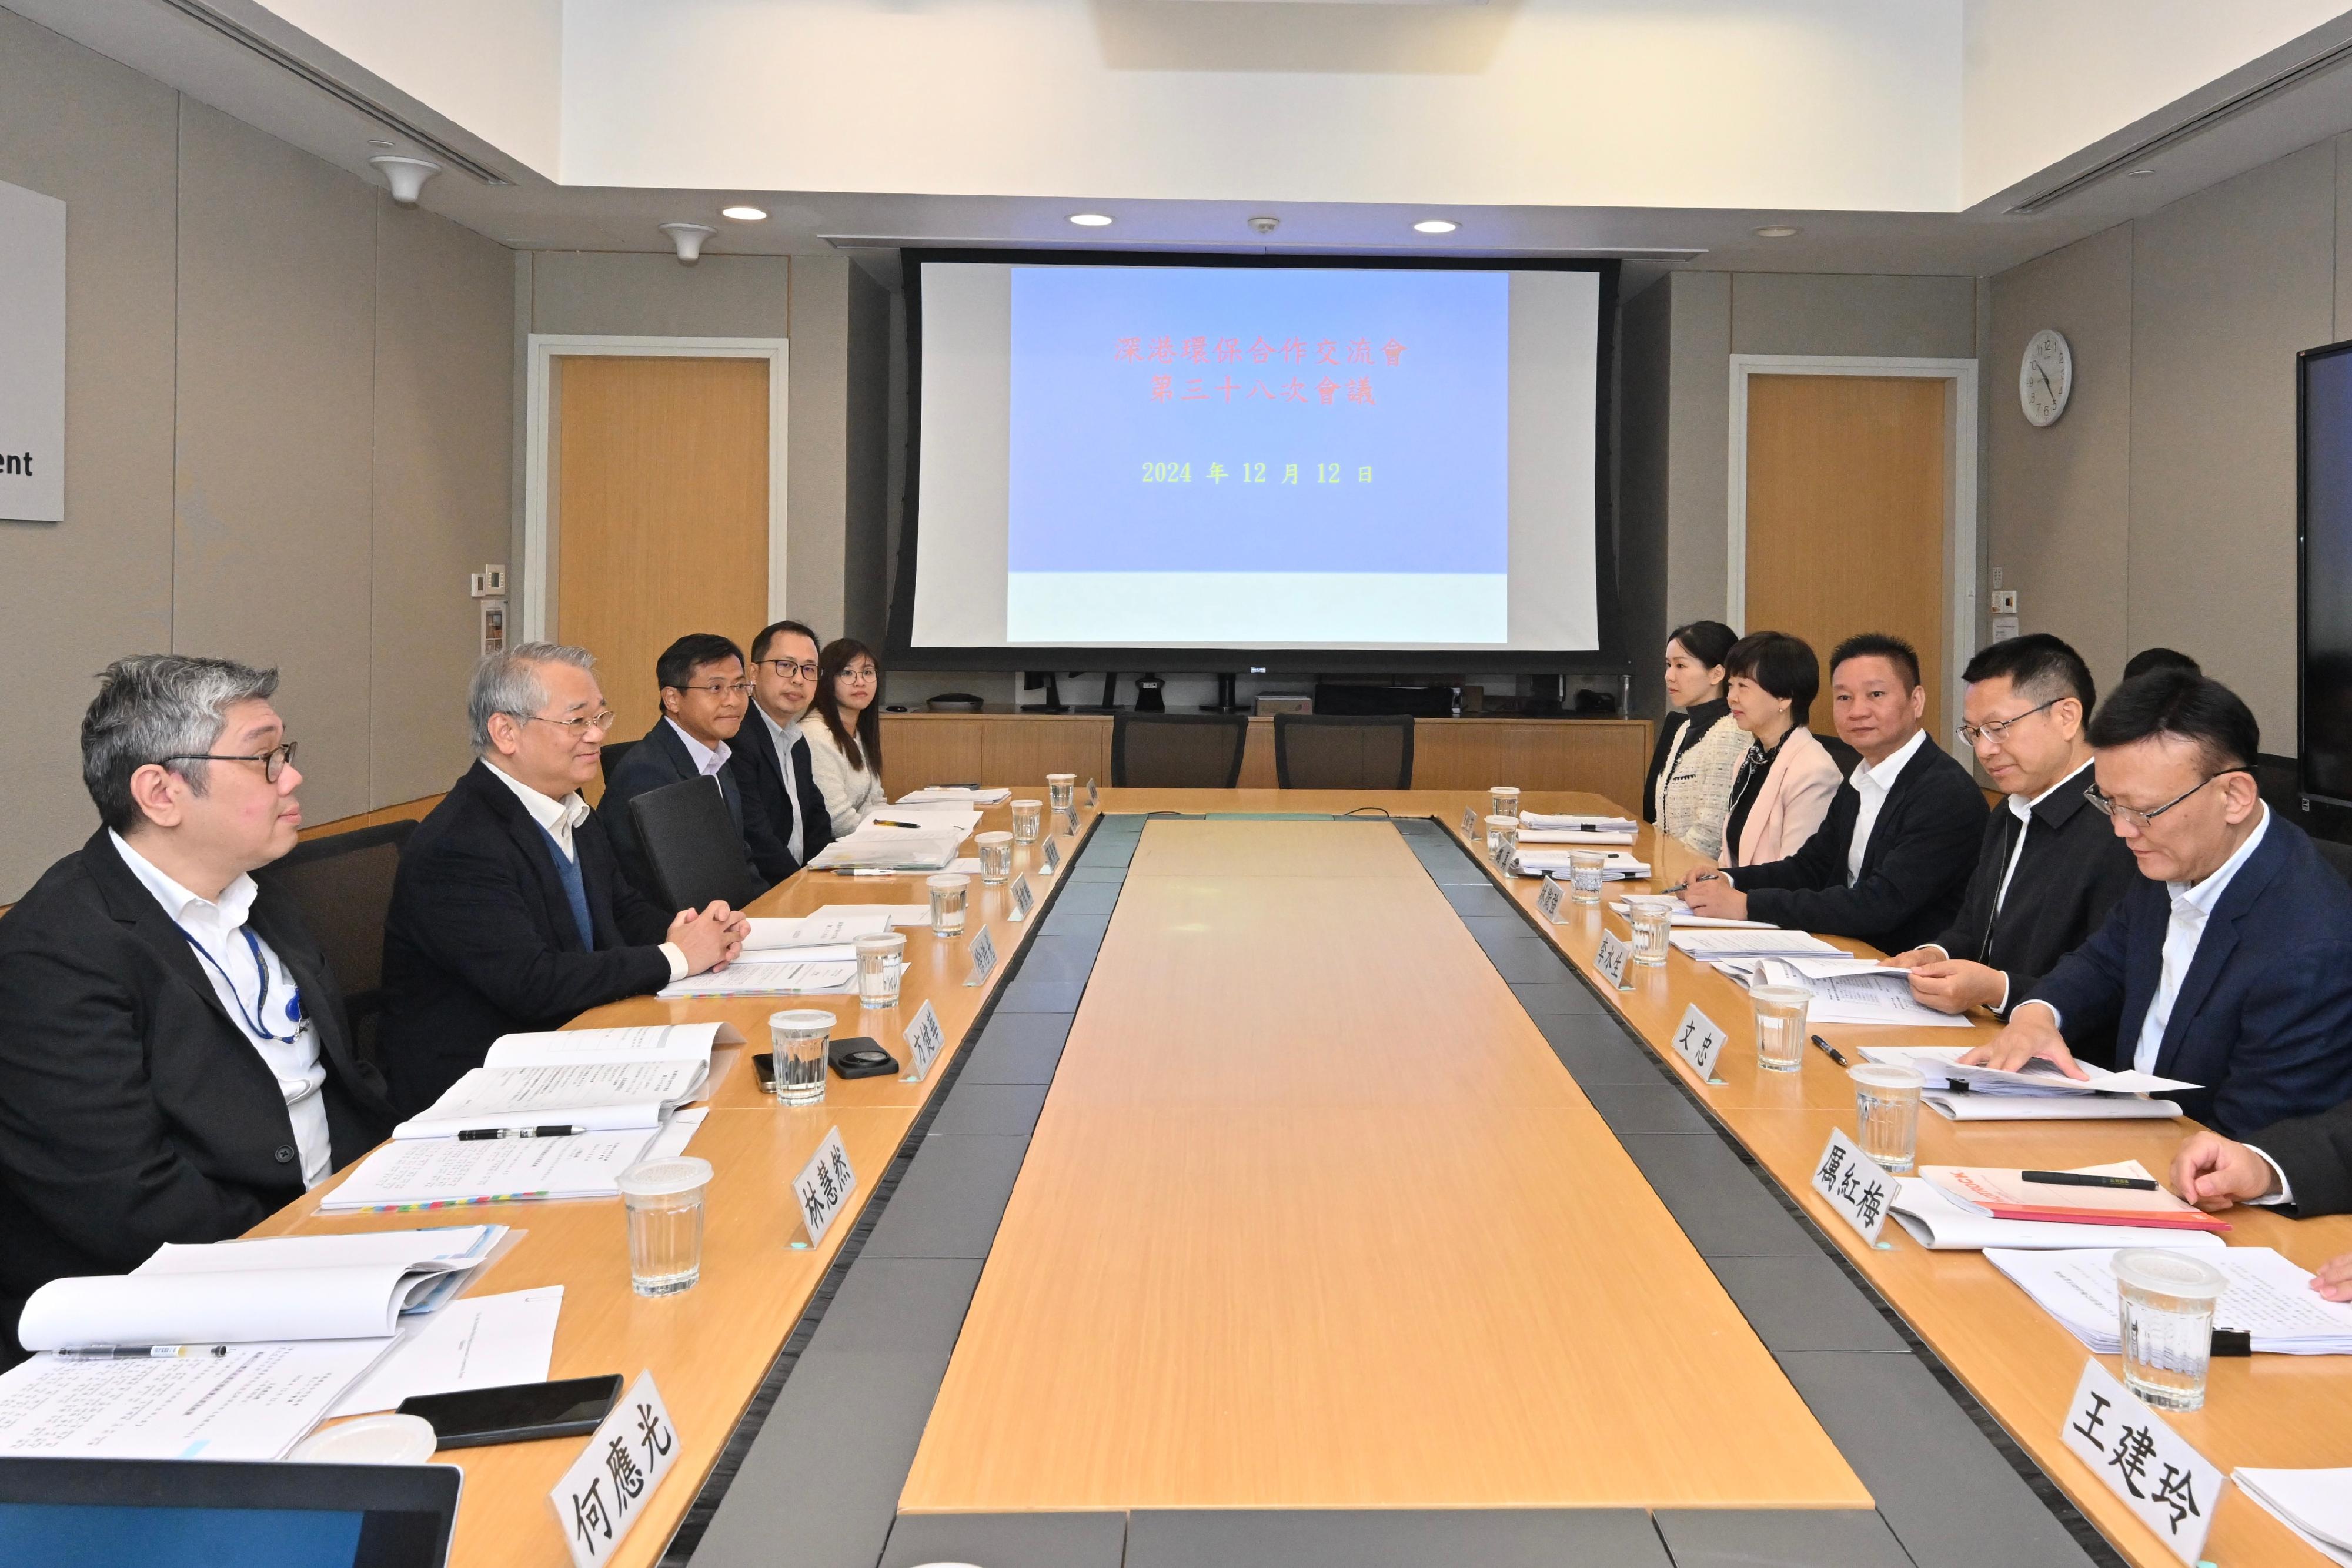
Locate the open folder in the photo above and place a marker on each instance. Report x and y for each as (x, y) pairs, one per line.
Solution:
(599, 1080)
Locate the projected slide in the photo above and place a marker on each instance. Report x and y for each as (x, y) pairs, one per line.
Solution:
(1180, 455)
(1223, 454)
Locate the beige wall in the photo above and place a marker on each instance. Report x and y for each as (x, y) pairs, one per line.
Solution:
(2160, 509)
(284, 418)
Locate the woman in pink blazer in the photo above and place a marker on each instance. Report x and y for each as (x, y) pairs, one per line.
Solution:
(1786, 780)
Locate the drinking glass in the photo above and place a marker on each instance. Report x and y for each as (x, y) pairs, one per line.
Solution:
(1061, 791)
(799, 1039)
(1887, 1113)
(1503, 801)
(881, 962)
(1652, 920)
(949, 892)
(1502, 840)
(995, 856)
(1780, 1026)
(1027, 817)
(663, 1199)
(1584, 868)
(2165, 1315)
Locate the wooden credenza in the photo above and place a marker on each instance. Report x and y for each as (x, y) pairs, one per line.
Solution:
(1604, 756)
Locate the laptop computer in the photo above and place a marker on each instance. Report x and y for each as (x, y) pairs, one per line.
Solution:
(195, 1513)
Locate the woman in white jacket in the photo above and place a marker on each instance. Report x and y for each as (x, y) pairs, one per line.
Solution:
(845, 740)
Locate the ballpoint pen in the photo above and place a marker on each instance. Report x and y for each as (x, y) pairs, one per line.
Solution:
(137, 1352)
(1833, 1049)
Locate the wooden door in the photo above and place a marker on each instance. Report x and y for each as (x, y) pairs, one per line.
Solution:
(660, 513)
(1846, 502)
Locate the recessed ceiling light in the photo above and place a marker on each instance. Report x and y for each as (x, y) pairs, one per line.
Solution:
(1776, 231)
(1435, 226)
(743, 214)
(1091, 220)
(2141, 174)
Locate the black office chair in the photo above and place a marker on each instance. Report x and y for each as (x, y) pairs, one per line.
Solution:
(1178, 751)
(691, 845)
(614, 751)
(2337, 856)
(343, 884)
(1327, 751)
(1846, 758)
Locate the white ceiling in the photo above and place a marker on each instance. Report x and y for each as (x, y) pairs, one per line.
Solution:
(534, 212)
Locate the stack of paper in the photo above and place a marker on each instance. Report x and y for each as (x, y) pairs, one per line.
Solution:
(1618, 867)
(427, 1174)
(598, 1080)
(814, 938)
(480, 1342)
(2039, 1092)
(1940, 1224)
(874, 848)
(1683, 916)
(1747, 942)
(957, 794)
(2005, 1193)
(898, 913)
(1607, 830)
(834, 978)
(2270, 1299)
(1855, 990)
(253, 1402)
(2314, 1504)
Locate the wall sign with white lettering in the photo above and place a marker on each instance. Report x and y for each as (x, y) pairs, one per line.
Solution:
(1612, 957)
(823, 1185)
(1548, 901)
(608, 1485)
(984, 958)
(1023, 901)
(1858, 1186)
(1698, 1040)
(924, 1039)
(32, 356)
(2168, 1486)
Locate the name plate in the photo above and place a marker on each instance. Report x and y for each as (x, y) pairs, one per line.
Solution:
(825, 1185)
(984, 958)
(1094, 795)
(1023, 901)
(924, 1039)
(1052, 858)
(601, 1496)
(1858, 1186)
(1548, 901)
(2168, 1486)
(1470, 822)
(1070, 821)
(1698, 1040)
(1612, 958)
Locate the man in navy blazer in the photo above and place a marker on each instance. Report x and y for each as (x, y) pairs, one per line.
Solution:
(771, 757)
(704, 697)
(510, 911)
(2229, 966)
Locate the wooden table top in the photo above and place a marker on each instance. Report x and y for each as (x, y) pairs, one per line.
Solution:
(1314, 1219)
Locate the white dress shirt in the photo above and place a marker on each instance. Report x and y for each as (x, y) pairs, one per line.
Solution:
(1872, 783)
(705, 761)
(559, 817)
(783, 737)
(2193, 905)
(241, 976)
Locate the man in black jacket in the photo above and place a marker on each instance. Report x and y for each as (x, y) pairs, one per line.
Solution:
(1890, 861)
(2050, 867)
(771, 758)
(510, 911)
(174, 1062)
(2302, 1166)
(704, 698)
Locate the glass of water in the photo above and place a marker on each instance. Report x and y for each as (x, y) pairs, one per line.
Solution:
(799, 1039)
(1780, 1026)
(2166, 1314)
(1503, 801)
(1502, 840)
(1887, 1113)
(881, 961)
(663, 1199)
(1061, 791)
(995, 856)
(1584, 869)
(1027, 817)
(1652, 920)
(951, 890)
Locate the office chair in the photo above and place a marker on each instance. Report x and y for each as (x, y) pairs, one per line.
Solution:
(343, 884)
(614, 751)
(691, 845)
(1323, 751)
(1178, 751)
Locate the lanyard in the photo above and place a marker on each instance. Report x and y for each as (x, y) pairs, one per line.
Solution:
(261, 1002)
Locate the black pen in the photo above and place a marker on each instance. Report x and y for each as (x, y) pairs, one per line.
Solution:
(2076, 1178)
(137, 1352)
(1833, 1049)
(472, 1135)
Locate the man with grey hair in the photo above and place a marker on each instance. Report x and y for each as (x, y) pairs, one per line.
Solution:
(510, 911)
(175, 1062)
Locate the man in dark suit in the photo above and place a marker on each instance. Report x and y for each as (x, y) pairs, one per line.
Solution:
(771, 758)
(2050, 867)
(704, 698)
(1891, 861)
(510, 911)
(2229, 964)
(2301, 1167)
(174, 1062)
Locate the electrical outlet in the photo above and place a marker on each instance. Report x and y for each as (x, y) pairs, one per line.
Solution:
(2004, 601)
(494, 580)
(477, 585)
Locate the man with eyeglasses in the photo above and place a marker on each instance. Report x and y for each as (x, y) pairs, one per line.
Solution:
(511, 912)
(771, 758)
(2050, 867)
(174, 1061)
(2230, 964)
(704, 698)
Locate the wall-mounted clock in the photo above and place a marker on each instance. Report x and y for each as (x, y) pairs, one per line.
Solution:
(2045, 377)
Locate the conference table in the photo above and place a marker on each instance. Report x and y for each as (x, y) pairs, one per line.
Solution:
(1324, 1208)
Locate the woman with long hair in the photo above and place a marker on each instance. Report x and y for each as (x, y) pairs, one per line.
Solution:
(845, 743)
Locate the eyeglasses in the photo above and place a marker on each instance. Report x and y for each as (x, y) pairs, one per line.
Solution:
(1971, 733)
(273, 761)
(725, 688)
(860, 673)
(807, 672)
(578, 724)
(2137, 818)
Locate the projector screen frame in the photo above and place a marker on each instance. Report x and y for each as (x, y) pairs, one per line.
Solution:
(1610, 656)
